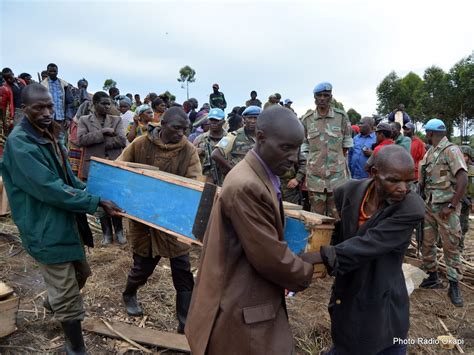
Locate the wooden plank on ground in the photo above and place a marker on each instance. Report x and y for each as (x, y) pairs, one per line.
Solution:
(145, 336)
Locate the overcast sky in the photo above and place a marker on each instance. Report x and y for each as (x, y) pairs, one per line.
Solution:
(267, 46)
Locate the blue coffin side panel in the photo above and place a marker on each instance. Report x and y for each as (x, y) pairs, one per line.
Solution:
(171, 206)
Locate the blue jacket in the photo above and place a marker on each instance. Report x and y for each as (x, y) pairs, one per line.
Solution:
(357, 159)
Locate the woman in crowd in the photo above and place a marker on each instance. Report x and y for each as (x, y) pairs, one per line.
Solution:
(143, 116)
(101, 135)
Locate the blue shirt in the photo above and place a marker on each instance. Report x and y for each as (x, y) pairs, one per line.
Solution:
(357, 159)
(57, 93)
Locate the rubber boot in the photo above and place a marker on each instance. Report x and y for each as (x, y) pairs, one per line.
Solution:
(106, 225)
(432, 281)
(454, 294)
(183, 300)
(130, 300)
(118, 228)
(73, 337)
(47, 305)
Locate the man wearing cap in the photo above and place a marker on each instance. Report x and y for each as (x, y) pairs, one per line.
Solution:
(383, 134)
(287, 103)
(399, 138)
(360, 152)
(329, 136)
(232, 148)
(443, 180)
(217, 99)
(417, 148)
(206, 142)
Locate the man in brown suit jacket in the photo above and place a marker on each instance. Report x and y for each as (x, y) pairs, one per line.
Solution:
(238, 304)
(167, 148)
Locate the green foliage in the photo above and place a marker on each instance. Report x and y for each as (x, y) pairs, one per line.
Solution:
(170, 96)
(354, 116)
(337, 104)
(187, 74)
(447, 96)
(109, 83)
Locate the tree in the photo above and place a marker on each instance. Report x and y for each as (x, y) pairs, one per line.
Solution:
(171, 97)
(410, 87)
(337, 104)
(354, 116)
(187, 75)
(435, 96)
(461, 78)
(109, 83)
(389, 93)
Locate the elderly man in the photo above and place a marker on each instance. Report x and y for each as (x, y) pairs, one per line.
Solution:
(443, 179)
(329, 137)
(48, 205)
(238, 305)
(369, 305)
(167, 148)
(362, 149)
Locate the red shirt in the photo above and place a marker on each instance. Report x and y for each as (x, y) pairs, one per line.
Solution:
(417, 151)
(386, 141)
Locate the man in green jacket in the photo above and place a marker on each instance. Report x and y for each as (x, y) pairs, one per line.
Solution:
(48, 205)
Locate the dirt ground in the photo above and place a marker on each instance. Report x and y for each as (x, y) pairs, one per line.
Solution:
(39, 333)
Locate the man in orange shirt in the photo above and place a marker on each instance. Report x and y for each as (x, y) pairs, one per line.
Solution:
(417, 149)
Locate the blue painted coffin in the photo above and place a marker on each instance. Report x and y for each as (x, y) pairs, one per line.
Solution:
(163, 203)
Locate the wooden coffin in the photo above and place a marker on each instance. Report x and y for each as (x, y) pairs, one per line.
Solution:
(169, 203)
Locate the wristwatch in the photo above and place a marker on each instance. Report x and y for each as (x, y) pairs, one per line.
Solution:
(450, 205)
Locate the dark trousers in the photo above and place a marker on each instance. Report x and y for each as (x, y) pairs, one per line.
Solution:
(143, 267)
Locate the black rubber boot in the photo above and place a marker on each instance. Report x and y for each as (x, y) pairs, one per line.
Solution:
(73, 337)
(432, 281)
(454, 294)
(47, 305)
(130, 300)
(183, 300)
(118, 228)
(106, 225)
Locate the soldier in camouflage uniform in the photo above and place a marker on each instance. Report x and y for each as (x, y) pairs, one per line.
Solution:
(466, 203)
(232, 148)
(329, 137)
(206, 142)
(443, 181)
(292, 180)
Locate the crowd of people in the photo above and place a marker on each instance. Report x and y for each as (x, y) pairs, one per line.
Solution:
(379, 182)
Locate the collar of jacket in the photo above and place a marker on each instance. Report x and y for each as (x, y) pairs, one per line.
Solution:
(262, 174)
(32, 132)
(329, 115)
(351, 209)
(154, 137)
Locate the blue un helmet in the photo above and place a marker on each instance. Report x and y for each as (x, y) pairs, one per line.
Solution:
(252, 111)
(435, 125)
(322, 87)
(216, 113)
